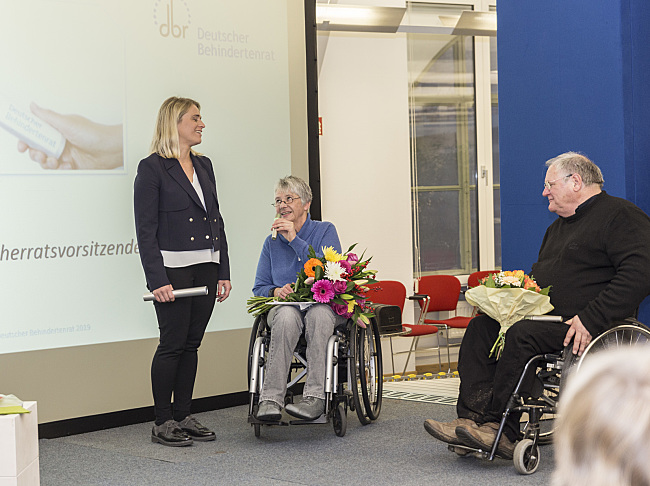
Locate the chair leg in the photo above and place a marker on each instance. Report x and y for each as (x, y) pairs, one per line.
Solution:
(448, 354)
(414, 344)
(444, 328)
(392, 354)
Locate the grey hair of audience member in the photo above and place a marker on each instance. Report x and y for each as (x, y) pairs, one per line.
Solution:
(295, 185)
(602, 435)
(575, 163)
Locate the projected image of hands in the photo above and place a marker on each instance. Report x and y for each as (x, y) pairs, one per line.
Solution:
(82, 144)
(62, 101)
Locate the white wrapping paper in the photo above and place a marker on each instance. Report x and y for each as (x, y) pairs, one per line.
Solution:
(507, 306)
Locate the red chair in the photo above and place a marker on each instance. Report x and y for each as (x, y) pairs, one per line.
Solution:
(392, 292)
(473, 281)
(443, 292)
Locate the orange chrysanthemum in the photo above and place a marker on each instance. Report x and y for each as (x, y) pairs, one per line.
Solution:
(311, 264)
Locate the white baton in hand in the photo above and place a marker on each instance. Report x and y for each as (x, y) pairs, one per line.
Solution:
(189, 292)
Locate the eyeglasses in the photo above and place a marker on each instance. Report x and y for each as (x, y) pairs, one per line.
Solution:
(549, 184)
(288, 200)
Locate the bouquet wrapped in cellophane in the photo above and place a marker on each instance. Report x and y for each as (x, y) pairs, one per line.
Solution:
(508, 297)
(336, 279)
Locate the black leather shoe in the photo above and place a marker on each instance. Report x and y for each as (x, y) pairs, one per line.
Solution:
(194, 429)
(170, 434)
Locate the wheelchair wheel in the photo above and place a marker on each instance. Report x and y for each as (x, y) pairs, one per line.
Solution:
(526, 457)
(369, 352)
(259, 326)
(619, 336)
(340, 419)
(356, 369)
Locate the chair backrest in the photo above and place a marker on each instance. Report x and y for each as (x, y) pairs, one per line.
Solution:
(473, 279)
(390, 292)
(443, 292)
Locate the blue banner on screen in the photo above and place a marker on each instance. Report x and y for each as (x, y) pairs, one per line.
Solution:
(82, 83)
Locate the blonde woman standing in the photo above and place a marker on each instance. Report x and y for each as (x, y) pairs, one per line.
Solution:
(182, 244)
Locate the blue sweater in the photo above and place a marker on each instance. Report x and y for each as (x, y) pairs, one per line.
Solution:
(281, 261)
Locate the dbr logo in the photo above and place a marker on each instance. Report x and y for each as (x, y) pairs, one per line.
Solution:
(172, 18)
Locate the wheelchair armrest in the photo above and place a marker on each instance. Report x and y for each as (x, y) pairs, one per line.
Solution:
(418, 297)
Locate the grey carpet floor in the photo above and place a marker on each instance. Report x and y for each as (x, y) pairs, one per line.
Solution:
(393, 450)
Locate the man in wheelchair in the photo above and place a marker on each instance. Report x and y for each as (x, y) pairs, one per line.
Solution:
(281, 259)
(596, 256)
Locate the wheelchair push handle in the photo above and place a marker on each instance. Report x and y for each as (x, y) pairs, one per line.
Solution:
(189, 292)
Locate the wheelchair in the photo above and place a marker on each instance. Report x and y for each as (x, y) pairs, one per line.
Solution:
(353, 379)
(539, 405)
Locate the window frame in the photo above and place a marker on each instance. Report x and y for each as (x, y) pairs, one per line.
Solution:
(484, 152)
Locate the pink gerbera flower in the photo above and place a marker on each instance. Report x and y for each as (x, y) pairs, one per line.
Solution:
(323, 291)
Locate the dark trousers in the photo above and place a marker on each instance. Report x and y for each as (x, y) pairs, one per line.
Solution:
(487, 383)
(182, 324)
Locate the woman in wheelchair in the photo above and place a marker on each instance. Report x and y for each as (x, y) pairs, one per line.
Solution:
(283, 255)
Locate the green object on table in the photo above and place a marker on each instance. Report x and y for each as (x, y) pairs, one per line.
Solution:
(10, 404)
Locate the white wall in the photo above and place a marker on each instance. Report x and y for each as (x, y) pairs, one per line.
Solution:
(364, 149)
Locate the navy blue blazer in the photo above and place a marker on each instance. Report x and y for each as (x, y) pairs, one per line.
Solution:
(169, 215)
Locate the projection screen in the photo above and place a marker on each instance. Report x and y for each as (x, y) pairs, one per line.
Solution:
(84, 79)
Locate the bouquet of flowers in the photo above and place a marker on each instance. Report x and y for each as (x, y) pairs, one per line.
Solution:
(508, 297)
(336, 279)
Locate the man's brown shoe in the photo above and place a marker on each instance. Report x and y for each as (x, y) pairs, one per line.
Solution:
(482, 437)
(446, 431)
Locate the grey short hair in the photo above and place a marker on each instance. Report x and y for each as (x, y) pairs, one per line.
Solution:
(575, 163)
(295, 185)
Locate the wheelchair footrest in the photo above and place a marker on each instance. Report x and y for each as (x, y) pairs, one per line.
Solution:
(465, 450)
(323, 419)
(254, 420)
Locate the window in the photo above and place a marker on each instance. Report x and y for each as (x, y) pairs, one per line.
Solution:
(453, 106)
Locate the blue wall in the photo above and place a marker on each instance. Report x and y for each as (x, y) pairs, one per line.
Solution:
(573, 75)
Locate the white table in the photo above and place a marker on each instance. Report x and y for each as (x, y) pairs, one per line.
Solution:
(19, 448)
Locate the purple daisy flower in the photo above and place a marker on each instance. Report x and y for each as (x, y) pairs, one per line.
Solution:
(323, 291)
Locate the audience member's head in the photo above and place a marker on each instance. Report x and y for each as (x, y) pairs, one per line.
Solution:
(603, 432)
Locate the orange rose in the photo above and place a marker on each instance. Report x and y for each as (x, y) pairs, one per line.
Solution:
(311, 264)
(531, 285)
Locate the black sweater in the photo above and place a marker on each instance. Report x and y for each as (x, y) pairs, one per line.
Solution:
(598, 262)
